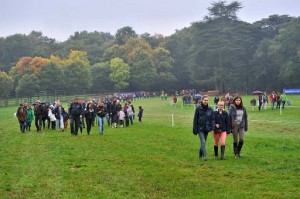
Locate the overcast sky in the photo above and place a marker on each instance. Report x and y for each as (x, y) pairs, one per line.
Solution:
(61, 18)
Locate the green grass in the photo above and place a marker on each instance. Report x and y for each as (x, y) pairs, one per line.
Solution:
(152, 159)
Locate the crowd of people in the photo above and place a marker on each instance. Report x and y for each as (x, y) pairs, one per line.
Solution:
(80, 114)
(277, 101)
(87, 114)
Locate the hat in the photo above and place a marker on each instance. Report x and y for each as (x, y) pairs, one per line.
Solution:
(37, 101)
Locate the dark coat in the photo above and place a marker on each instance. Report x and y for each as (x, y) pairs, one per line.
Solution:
(223, 121)
(204, 120)
(89, 114)
(101, 111)
(38, 111)
(75, 110)
(56, 112)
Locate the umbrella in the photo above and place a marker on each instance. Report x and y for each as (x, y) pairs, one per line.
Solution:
(257, 92)
(198, 96)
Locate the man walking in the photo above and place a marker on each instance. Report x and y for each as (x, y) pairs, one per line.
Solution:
(75, 111)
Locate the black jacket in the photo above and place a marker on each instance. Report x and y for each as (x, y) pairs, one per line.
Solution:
(101, 111)
(75, 110)
(204, 120)
(38, 111)
(89, 114)
(223, 121)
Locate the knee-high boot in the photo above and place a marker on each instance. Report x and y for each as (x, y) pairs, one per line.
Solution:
(200, 154)
(239, 148)
(216, 151)
(235, 149)
(222, 152)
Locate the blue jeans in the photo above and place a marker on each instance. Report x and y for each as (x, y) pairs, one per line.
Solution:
(203, 137)
(101, 124)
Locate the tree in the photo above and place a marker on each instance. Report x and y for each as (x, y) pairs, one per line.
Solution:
(114, 52)
(77, 77)
(219, 10)
(142, 71)
(77, 71)
(123, 34)
(154, 40)
(179, 44)
(164, 64)
(12, 48)
(27, 86)
(79, 57)
(288, 49)
(94, 43)
(120, 73)
(6, 84)
(51, 78)
(100, 77)
(269, 27)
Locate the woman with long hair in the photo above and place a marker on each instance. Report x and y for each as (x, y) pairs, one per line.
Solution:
(89, 116)
(239, 124)
(204, 122)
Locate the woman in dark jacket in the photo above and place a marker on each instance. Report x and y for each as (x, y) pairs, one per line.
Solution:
(101, 113)
(222, 128)
(204, 122)
(89, 114)
(239, 124)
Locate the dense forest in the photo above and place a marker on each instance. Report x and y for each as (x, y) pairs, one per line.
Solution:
(219, 52)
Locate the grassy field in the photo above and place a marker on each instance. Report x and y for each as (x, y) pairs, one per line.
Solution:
(152, 160)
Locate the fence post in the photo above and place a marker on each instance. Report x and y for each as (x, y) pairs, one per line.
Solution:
(280, 109)
(172, 120)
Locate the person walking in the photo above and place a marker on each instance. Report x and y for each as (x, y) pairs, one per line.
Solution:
(29, 118)
(131, 112)
(52, 117)
(140, 114)
(59, 112)
(89, 115)
(283, 98)
(260, 102)
(239, 124)
(222, 128)
(38, 114)
(216, 100)
(75, 112)
(204, 122)
(101, 113)
(22, 117)
(114, 113)
(273, 99)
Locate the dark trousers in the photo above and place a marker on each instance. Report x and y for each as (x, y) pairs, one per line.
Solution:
(38, 123)
(44, 122)
(53, 123)
(126, 121)
(74, 123)
(89, 122)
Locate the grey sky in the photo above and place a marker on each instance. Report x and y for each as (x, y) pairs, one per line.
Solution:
(61, 18)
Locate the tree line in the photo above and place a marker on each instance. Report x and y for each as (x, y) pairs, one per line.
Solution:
(219, 52)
